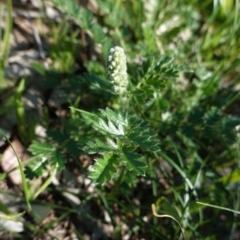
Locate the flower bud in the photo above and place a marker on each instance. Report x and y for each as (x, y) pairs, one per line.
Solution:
(117, 69)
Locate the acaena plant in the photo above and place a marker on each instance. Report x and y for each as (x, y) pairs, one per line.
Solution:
(125, 136)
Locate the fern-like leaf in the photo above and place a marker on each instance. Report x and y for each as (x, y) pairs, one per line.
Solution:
(110, 122)
(98, 146)
(154, 74)
(58, 159)
(79, 15)
(37, 148)
(35, 167)
(129, 133)
(134, 161)
(109, 127)
(141, 135)
(116, 117)
(103, 169)
(46, 151)
(43, 153)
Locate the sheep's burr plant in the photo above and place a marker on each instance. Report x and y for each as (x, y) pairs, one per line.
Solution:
(117, 69)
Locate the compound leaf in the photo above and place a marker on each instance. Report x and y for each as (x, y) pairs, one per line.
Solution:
(103, 169)
(37, 148)
(98, 146)
(58, 159)
(141, 135)
(134, 161)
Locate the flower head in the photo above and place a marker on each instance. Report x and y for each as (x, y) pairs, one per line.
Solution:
(117, 69)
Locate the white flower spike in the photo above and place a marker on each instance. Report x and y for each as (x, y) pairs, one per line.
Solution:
(117, 69)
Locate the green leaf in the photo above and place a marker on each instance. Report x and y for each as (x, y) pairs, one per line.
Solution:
(116, 117)
(37, 148)
(109, 127)
(154, 74)
(130, 179)
(73, 147)
(98, 33)
(98, 146)
(111, 122)
(37, 162)
(43, 152)
(35, 167)
(141, 135)
(86, 18)
(134, 161)
(58, 159)
(81, 16)
(146, 66)
(126, 131)
(103, 169)
(90, 117)
(97, 82)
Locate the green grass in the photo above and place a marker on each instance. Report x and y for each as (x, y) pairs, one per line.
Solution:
(5, 37)
(182, 98)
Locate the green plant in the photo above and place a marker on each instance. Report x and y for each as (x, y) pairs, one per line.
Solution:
(158, 107)
(126, 134)
(165, 132)
(5, 42)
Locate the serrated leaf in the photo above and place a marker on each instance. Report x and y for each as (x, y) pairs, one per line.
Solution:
(115, 117)
(212, 116)
(103, 169)
(112, 143)
(30, 174)
(98, 32)
(109, 127)
(58, 159)
(134, 162)
(35, 167)
(56, 135)
(130, 179)
(98, 146)
(73, 147)
(146, 65)
(97, 82)
(150, 145)
(230, 122)
(141, 135)
(81, 16)
(154, 73)
(37, 148)
(37, 163)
